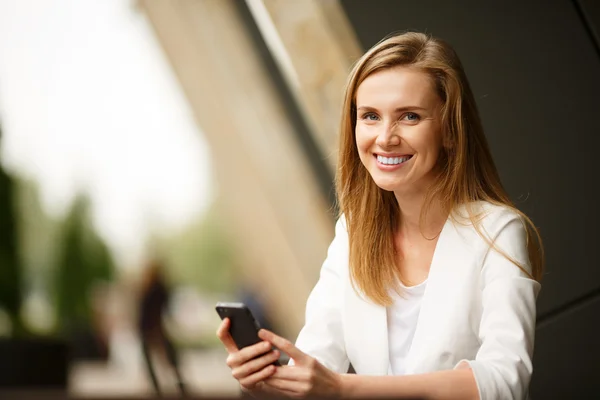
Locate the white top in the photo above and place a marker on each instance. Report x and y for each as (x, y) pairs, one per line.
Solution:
(402, 319)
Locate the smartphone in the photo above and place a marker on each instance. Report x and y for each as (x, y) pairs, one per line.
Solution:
(244, 327)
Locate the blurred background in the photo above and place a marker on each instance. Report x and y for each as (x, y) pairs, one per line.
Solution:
(158, 156)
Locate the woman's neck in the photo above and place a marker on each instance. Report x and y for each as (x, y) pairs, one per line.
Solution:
(411, 205)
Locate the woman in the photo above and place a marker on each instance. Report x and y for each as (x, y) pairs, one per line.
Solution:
(430, 283)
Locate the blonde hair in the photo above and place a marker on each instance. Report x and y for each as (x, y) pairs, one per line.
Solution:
(467, 171)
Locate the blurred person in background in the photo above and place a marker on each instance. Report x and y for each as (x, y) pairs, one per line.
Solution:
(153, 304)
(430, 284)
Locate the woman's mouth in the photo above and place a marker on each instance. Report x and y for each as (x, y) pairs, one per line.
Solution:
(392, 160)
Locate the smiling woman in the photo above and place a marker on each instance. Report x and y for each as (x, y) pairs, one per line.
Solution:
(398, 131)
(430, 284)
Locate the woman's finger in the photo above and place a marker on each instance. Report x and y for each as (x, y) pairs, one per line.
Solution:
(254, 365)
(291, 372)
(251, 380)
(225, 337)
(262, 387)
(284, 345)
(292, 386)
(247, 353)
(270, 390)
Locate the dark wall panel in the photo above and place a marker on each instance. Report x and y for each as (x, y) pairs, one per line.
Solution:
(591, 15)
(536, 76)
(566, 356)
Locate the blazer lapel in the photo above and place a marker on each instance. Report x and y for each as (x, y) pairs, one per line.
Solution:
(435, 299)
(366, 334)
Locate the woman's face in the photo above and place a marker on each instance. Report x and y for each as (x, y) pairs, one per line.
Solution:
(398, 129)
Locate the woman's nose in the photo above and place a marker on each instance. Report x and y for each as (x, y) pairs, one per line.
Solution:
(388, 136)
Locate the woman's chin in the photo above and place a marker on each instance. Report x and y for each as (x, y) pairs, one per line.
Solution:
(387, 185)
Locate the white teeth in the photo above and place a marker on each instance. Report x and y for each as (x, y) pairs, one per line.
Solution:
(392, 160)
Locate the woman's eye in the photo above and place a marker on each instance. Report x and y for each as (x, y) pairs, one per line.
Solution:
(412, 117)
(370, 117)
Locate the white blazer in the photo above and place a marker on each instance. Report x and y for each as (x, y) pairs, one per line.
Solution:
(477, 307)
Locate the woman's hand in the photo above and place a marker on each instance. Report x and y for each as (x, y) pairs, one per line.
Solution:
(306, 377)
(247, 365)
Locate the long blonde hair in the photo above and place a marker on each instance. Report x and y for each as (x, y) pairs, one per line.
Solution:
(467, 170)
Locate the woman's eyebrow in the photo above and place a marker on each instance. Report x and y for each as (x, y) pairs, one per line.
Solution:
(399, 109)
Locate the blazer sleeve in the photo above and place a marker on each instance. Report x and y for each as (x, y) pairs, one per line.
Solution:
(503, 364)
(322, 335)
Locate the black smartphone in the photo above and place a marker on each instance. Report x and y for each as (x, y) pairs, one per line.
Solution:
(243, 327)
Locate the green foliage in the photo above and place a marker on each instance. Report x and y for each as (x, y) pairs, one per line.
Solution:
(38, 237)
(84, 260)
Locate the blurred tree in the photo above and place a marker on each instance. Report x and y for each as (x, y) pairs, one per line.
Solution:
(38, 235)
(38, 245)
(10, 268)
(83, 261)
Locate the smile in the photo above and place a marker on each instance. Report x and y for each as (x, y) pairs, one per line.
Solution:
(392, 160)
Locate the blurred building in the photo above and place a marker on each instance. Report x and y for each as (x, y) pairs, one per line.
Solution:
(270, 113)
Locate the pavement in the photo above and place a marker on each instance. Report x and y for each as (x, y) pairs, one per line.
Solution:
(204, 372)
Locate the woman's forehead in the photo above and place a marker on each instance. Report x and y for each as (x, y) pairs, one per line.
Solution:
(398, 87)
